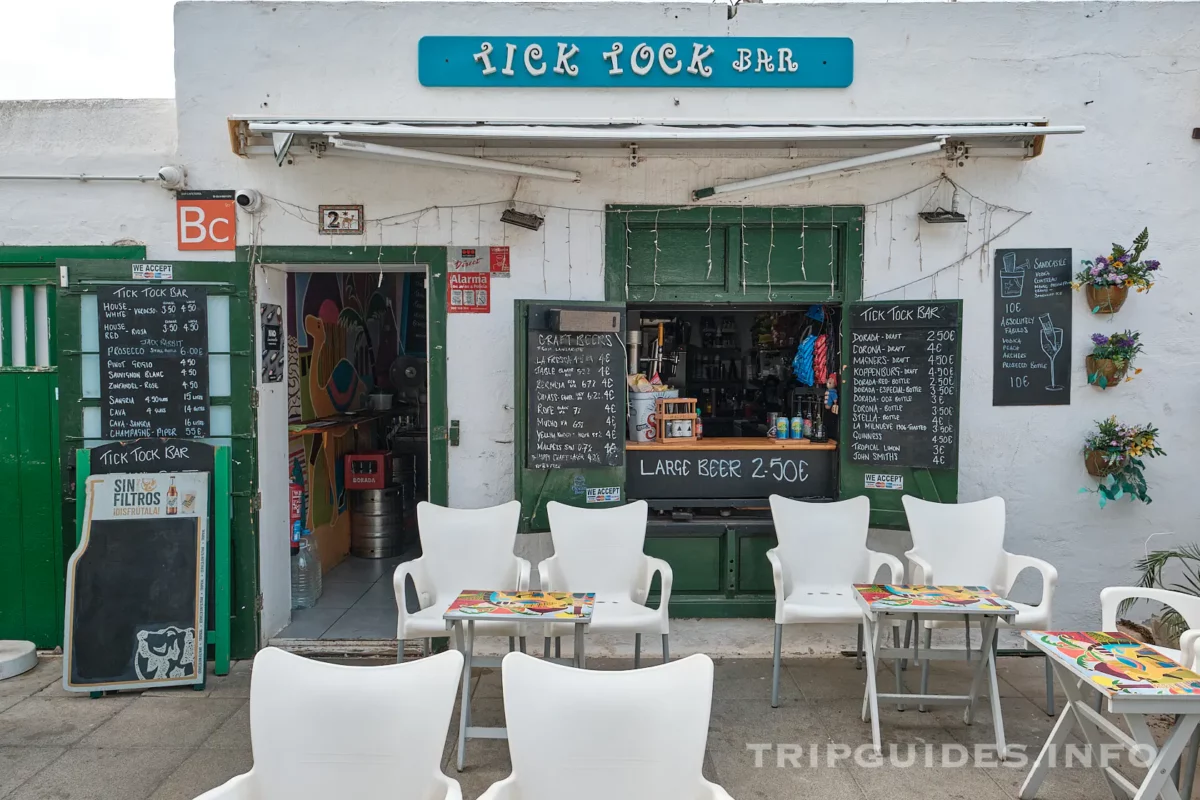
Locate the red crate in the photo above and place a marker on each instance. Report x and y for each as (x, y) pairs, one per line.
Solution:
(366, 470)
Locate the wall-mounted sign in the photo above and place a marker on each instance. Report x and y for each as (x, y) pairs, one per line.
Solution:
(480, 259)
(272, 342)
(340, 220)
(206, 220)
(1032, 339)
(875, 480)
(153, 272)
(637, 62)
(469, 293)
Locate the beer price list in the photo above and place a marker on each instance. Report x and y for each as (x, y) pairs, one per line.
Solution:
(904, 376)
(576, 399)
(153, 362)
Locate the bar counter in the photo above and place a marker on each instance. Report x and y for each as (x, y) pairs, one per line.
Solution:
(733, 443)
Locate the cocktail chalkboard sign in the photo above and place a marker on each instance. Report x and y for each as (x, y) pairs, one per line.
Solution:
(1032, 339)
(576, 395)
(904, 383)
(136, 586)
(153, 361)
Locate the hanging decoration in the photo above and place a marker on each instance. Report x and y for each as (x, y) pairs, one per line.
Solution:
(802, 364)
(820, 359)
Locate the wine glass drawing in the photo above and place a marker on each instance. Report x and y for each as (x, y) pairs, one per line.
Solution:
(1052, 342)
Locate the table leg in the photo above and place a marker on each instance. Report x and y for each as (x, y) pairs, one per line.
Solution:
(989, 629)
(896, 665)
(1188, 776)
(989, 653)
(928, 633)
(460, 640)
(470, 659)
(522, 641)
(637, 650)
(546, 652)
(1058, 737)
(1157, 780)
(580, 658)
(1092, 735)
(858, 648)
(871, 701)
(512, 644)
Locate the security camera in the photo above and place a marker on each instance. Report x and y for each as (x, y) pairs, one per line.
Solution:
(249, 200)
(172, 176)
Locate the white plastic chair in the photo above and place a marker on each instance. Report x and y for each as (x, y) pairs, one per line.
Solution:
(460, 549)
(600, 550)
(822, 550)
(962, 544)
(1188, 606)
(600, 735)
(320, 731)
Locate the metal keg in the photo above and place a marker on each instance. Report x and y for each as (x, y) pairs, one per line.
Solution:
(376, 529)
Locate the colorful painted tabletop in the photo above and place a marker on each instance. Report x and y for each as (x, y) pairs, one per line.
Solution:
(482, 603)
(953, 600)
(1116, 664)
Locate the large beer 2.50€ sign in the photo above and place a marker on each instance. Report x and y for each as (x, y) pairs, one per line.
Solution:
(904, 383)
(153, 361)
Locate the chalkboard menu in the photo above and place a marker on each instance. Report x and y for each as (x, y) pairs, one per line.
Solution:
(904, 383)
(152, 455)
(1032, 339)
(576, 395)
(153, 361)
(750, 474)
(136, 586)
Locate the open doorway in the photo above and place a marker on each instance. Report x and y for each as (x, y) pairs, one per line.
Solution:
(347, 441)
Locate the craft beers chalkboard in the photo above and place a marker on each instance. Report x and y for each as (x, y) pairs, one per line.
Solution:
(1032, 339)
(153, 361)
(576, 395)
(136, 585)
(904, 383)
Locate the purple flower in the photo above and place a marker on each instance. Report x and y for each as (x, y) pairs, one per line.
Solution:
(1123, 258)
(1096, 270)
(1151, 265)
(1126, 342)
(1101, 261)
(1099, 338)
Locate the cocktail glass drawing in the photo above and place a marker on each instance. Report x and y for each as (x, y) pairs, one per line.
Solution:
(1052, 342)
(1012, 277)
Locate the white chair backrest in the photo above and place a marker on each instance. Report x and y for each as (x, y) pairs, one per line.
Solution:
(1188, 605)
(324, 730)
(598, 550)
(963, 541)
(601, 735)
(468, 548)
(823, 543)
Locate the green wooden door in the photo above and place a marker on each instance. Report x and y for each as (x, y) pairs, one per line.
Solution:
(232, 400)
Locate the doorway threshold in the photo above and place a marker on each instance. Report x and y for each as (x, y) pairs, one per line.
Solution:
(345, 648)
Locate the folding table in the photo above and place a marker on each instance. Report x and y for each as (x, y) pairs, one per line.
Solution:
(475, 605)
(942, 604)
(1138, 682)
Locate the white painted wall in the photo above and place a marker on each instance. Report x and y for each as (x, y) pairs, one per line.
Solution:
(1135, 166)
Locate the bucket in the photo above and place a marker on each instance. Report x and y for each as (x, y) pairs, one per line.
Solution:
(641, 414)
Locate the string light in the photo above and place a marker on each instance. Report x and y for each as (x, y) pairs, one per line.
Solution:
(770, 250)
(654, 275)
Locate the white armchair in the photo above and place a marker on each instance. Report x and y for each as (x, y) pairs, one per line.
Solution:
(600, 550)
(322, 730)
(460, 549)
(634, 735)
(963, 545)
(822, 550)
(1187, 605)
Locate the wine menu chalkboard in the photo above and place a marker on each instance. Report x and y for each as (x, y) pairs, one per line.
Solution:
(1032, 338)
(904, 376)
(153, 361)
(576, 396)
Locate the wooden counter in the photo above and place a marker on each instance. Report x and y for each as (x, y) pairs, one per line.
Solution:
(734, 443)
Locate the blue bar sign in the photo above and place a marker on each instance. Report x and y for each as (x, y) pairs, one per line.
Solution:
(599, 61)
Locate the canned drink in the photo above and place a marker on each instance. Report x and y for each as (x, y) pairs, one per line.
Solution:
(797, 428)
(782, 425)
(772, 421)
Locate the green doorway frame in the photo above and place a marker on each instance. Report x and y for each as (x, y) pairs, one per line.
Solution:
(434, 259)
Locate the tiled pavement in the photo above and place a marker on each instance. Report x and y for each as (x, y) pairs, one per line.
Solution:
(177, 743)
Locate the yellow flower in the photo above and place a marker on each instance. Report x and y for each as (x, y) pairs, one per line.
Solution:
(1137, 371)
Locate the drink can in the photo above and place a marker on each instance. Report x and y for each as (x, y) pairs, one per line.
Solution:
(797, 428)
(781, 427)
(772, 421)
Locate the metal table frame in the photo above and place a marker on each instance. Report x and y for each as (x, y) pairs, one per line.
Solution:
(876, 623)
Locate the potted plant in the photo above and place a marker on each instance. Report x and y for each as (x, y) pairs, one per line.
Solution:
(1111, 356)
(1168, 625)
(1106, 281)
(1114, 452)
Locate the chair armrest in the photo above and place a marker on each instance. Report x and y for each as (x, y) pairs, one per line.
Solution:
(920, 571)
(895, 566)
(549, 579)
(524, 568)
(711, 791)
(1187, 648)
(1014, 565)
(239, 787)
(502, 790)
(651, 565)
(783, 581)
(451, 786)
(416, 570)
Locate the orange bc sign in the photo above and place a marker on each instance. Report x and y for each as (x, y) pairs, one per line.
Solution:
(206, 220)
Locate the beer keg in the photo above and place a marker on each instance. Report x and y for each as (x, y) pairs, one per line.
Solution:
(376, 529)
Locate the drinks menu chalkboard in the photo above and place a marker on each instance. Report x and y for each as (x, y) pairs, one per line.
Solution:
(903, 385)
(576, 396)
(153, 361)
(1032, 339)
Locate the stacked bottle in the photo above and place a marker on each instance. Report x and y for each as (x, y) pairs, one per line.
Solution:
(306, 572)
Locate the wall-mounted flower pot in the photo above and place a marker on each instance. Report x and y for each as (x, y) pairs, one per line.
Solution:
(1104, 372)
(1105, 299)
(1098, 465)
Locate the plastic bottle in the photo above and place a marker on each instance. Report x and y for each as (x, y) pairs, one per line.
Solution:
(306, 573)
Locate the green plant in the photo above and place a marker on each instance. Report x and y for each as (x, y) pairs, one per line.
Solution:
(1121, 267)
(1151, 577)
(1122, 448)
